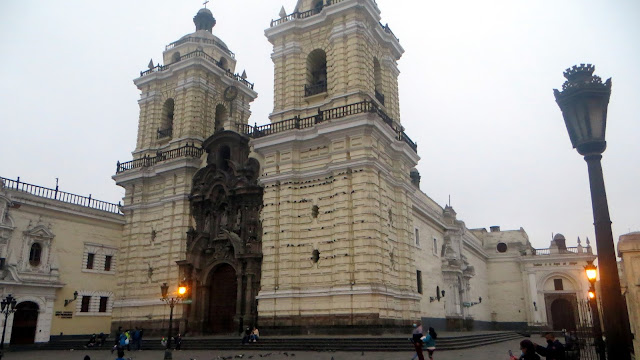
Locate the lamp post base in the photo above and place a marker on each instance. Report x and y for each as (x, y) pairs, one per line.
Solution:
(168, 354)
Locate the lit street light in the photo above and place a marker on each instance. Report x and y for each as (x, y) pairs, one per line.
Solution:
(584, 101)
(171, 301)
(592, 274)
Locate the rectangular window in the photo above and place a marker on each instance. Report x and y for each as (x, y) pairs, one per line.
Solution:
(419, 279)
(558, 284)
(85, 304)
(107, 262)
(90, 258)
(103, 304)
(435, 246)
(417, 237)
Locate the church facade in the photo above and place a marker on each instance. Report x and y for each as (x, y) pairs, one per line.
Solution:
(314, 222)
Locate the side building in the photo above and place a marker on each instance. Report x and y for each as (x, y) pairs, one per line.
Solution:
(58, 256)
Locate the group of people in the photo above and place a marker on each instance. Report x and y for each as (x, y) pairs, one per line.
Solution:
(422, 342)
(250, 335)
(127, 339)
(531, 351)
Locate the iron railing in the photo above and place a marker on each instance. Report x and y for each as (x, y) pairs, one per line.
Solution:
(165, 133)
(192, 39)
(315, 11)
(319, 88)
(191, 151)
(326, 115)
(55, 194)
(380, 97)
(202, 54)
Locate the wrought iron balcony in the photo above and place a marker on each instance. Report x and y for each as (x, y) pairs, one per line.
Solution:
(202, 54)
(318, 88)
(191, 39)
(187, 151)
(165, 133)
(380, 97)
(326, 115)
(55, 194)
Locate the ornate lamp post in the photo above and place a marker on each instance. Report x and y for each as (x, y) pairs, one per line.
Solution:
(584, 100)
(171, 301)
(592, 274)
(8, 306)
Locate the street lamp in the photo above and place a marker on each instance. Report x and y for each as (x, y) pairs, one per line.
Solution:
(592, 275)
(584, 100)
(7, 306)
(171, 301)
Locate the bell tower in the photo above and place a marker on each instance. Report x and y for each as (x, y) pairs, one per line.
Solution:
(336, 165)
(195, 94)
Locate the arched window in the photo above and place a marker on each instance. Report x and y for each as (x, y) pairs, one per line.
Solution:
(318, 6)
(35, 254)
(224, 154)
(377, 77)
(220, 119)
(175, 57)
(166, 123)
(224, 64)
(316, 73)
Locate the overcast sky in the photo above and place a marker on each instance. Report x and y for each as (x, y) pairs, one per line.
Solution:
(475, 91)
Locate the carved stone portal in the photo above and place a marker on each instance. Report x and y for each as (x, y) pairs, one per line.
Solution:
(224, 250)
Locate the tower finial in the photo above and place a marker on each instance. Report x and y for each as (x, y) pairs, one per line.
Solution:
(205, 4)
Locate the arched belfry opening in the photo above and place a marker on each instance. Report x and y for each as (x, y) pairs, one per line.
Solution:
(224, 249)
(224, 64)
(175, 57)
(166, 119)
(318, 5)
(316, 73)
(377, 78)
(221, 117)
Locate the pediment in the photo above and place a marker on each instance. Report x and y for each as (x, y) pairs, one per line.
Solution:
(40, 231)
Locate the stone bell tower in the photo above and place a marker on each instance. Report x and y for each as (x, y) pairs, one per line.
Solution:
(336, 164)
(195, 94)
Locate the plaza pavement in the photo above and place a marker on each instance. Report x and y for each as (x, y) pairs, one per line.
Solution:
(489, 352)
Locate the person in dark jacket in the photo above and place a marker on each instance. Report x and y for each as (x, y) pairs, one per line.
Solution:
(528, 351)
(554, 349)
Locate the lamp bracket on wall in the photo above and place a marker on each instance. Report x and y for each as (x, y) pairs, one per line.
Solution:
(69, 301)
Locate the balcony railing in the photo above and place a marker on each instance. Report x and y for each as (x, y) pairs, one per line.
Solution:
(326, 115)
(573, 250)
(380, 97)
(191, 39)
(55, 194)
(188, 151)
(304, 14)
(202, 54)
(310, 90)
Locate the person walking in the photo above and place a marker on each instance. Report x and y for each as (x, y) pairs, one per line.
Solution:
(416, 339)
(178, 340)
(554, 349)
(136, 339)
(528, 351)
(429, 342)
(117, 339)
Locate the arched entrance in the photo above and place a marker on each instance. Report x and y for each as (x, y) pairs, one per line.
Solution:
(222, 299)
(25, 321)
(562, 315)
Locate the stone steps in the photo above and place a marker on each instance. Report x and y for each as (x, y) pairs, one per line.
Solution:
(365, 343)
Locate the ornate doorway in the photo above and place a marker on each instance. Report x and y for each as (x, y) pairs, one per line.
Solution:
(25, 321)
(562, 315)
(222, 299)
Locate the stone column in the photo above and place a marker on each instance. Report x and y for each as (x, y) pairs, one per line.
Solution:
(629, 251)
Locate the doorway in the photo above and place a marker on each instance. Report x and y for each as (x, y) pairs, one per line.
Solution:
(25, 321)
(562, 315)
(222, 300)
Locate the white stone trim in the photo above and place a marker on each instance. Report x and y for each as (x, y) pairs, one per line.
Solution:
(94, 303)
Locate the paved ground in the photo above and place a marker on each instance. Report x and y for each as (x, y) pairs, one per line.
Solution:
(489, 352)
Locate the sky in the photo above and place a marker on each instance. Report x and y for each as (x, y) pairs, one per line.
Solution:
(475, 93)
